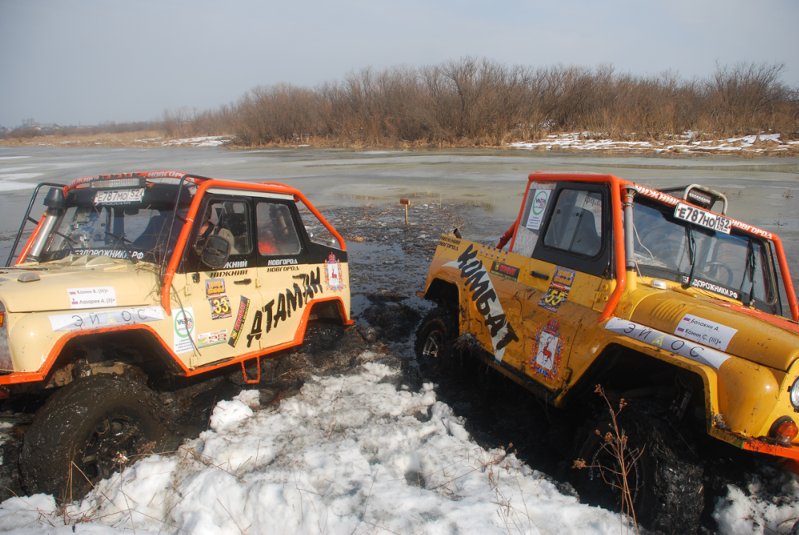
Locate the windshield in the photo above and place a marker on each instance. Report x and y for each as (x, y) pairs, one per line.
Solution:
(734, 265)
(107, 223)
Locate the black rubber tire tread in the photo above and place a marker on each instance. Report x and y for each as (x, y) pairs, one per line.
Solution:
(442, 323)
(64, 426)
(668, 490)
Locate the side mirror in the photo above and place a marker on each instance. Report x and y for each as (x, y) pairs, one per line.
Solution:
(55, 199)
(215, 252)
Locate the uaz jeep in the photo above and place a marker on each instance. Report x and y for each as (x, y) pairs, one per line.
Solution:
(688, 314)
(130, 282)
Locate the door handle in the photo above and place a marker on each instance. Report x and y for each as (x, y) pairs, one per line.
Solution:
(243, 281)
(539, 275)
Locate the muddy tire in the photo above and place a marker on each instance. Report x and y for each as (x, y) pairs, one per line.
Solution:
(88, 430)
(434, 339)
(322, 336)
(666, 485)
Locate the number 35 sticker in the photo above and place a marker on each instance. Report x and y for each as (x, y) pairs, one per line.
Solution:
(220, 307)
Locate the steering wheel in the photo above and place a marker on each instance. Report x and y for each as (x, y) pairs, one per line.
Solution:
(717, 267)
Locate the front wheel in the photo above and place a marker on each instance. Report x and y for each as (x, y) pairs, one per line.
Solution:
(663, 484)
(434, 339)
(88, 430)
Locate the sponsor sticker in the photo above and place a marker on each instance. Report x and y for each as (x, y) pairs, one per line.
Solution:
(333, 273)
(212, 338)
(214, 287)
(504, 270)
(705, 332)
(184, 330)
(558, 290)
(669, 342)
(102, 296)
(108, 318)
(220, 307)
(238, 323)
(537, 209)
(548, 350)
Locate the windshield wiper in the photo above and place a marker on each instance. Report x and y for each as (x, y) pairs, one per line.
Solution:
(123, 242)
(689, 233)
(749, 269)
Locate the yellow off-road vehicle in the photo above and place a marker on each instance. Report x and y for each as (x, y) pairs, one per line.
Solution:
(659, 296)
(132, 284)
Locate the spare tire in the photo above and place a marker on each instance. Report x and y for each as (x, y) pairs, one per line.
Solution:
(88, 430)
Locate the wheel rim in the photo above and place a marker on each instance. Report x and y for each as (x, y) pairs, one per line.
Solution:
(111, 445)
(432, 345)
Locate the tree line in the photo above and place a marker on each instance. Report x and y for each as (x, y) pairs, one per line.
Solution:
(474, 102)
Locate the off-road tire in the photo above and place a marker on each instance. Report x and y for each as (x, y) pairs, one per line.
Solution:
(434, 340)
(321, 336)
(88, 430)
(665, 482)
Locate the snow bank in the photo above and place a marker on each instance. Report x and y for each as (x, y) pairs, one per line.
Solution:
(350, 454)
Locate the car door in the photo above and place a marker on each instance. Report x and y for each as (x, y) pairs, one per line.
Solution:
(564, 235)
(217, 301)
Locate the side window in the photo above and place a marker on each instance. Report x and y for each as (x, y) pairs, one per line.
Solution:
(576, 223)
(228, 219)
(536, 203)
(277, 234)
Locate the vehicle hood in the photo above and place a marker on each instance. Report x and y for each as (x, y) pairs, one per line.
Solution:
(754, 336)
(78, 283)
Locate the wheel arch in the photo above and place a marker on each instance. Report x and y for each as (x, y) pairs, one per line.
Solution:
(631, 374)
(443, 292)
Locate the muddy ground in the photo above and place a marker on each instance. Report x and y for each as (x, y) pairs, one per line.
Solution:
(388, 262)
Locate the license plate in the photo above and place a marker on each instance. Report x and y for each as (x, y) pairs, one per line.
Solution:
(702, 218)
(119, 196)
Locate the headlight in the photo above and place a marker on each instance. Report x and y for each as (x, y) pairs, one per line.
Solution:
(795, 395)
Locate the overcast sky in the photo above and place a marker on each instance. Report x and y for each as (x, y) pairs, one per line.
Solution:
(92, 61)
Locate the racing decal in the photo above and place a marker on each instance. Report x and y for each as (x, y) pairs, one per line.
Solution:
(711, 287)
(476, 279)
(212, 338)
(220, 307)
(505, 271)
(233, 264)
(288, 301)
(234, 273)
(547, 351)
(668, 342)
(558, 290)
(101, 296)
(282, 262)
(110, 253)
(449, 242)
(214, 287)
(110, 318)
(333, 274)
(184, 330)
(241, 316)
(705, 332)
(537, 208)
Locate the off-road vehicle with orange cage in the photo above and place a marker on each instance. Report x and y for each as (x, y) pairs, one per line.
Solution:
(131, 283)
(658, 296)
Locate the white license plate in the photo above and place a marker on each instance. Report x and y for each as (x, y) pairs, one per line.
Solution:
(118, 196)
(702, 218)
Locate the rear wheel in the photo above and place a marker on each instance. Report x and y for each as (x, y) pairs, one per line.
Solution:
(434, 339)
(88, 430)
(665, 485)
